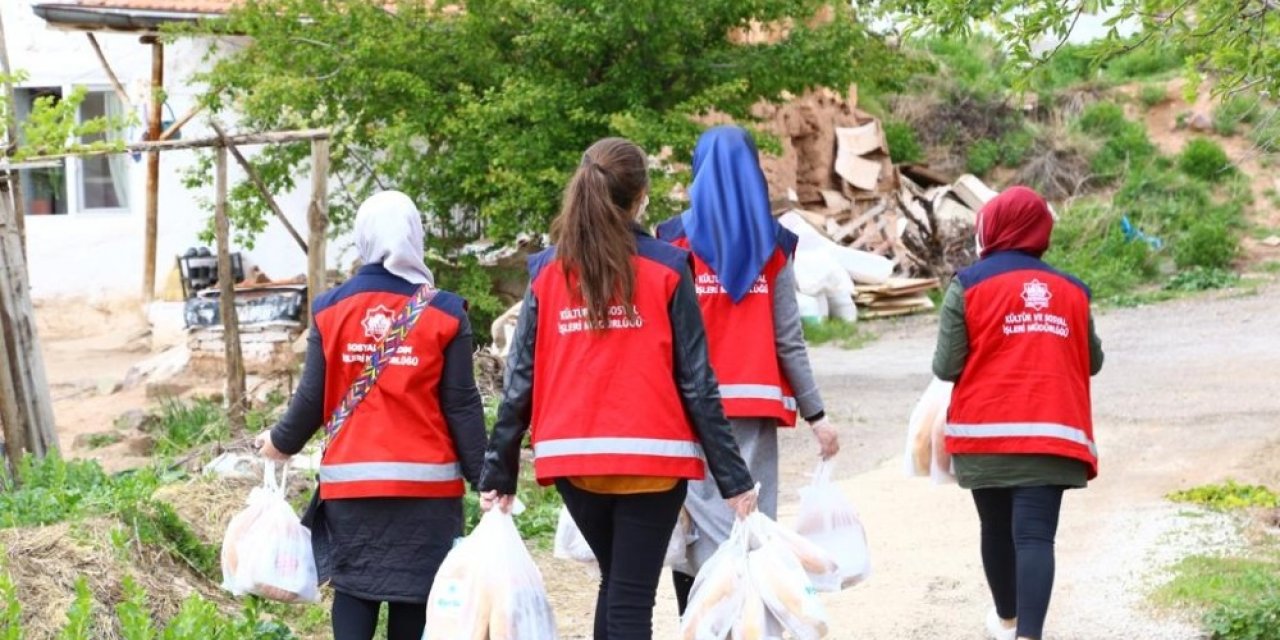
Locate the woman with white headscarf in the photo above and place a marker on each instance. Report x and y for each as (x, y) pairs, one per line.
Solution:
(389, 375)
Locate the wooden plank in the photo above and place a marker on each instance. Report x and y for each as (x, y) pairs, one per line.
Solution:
(318, 219)
(27, 407)
(263, 191)
(178, 124)
(227, 299)
(111, 74)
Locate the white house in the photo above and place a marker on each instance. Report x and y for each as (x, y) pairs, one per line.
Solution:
(85, 217)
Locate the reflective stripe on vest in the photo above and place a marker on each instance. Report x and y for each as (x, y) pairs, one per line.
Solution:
(390, 471)
(1023, 430)
(757, 392)
(617, 446)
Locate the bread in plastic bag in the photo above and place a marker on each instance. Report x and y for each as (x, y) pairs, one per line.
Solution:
(488, 587)
(266, 550)
(928, 420)
(817, 562)
(716, 598)
(753, 619)
(782, 583)
(828, 519)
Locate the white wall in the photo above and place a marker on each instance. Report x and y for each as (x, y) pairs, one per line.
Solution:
(99, 255)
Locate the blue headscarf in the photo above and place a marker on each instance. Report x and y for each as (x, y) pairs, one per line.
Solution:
(729, 223)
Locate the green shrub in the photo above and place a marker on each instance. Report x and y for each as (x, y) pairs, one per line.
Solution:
(135, 618)
(1145, 62)
(1103, 120)
(1015, 146)
(80, 616)
(983, 156)
(1266, 136)
(10, 606)
(1229, 495)
(182, 425)
(1258, 620)
(1151, 95)
(903, 145)
(1229, 114)
(1207, 243)
(52, 490)
(1205, 159)
(1088, 243)
(1201, 279)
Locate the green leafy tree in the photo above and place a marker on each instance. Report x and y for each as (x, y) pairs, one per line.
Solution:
(1237, 41)
(482, 114)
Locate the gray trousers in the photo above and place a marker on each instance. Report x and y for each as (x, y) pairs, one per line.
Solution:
(712, 518)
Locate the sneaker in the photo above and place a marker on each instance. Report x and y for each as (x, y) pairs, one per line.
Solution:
(996, 628)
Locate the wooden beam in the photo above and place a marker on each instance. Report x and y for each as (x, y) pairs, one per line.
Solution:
(318, 219)
(227, 299)
(181, 122)
(26, 403)
(262, 187)
(153, 173)
(111, 74)
(241, 140)
(11, 133)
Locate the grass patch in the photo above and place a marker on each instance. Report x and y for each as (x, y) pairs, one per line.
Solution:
(1229, 114)
(1229, 495)
(846, 335)
(1205, 159)
(1151, 95)
(181, 426)
(1239, 595)
(1202, 279)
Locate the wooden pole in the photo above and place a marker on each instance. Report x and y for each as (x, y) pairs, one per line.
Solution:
(153, 169)
(318, 219)
(227, 299)
(111, 74)
(11, 132)
(262, 188)
(181, 122)
(24, 390)
(238, 139)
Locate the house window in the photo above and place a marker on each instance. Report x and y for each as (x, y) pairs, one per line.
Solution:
(103, 180)
(85, 185)
(44, 190)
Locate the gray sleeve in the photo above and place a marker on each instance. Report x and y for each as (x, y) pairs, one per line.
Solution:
(1095, 349)
(305, 414)
(953, 337)
(461, 404)
(788, 338)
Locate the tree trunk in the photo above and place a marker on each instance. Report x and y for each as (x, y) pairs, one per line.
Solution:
(227, 300)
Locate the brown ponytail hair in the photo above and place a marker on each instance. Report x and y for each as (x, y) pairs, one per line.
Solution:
(593, 233)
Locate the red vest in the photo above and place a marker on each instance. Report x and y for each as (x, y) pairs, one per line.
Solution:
(740, 337)
(396, 442)
(605, 402)
(1025, 384)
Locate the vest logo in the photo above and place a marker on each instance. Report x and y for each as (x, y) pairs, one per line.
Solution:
(1036, 295)
(377, 322)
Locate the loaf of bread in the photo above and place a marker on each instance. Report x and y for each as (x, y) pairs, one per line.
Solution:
(753, 621)
(786, 591)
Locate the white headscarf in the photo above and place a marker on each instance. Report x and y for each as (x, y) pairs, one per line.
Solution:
(389, 232)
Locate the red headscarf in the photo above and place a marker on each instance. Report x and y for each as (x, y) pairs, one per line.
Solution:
(1016, 220)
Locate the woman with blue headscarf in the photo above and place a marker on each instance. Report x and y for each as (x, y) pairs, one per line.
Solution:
(746, 290)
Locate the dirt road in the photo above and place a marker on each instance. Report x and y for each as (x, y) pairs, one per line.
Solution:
(1190, 394)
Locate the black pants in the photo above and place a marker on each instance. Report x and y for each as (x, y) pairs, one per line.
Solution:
(1018, 529)
(356, 619)
(629, 535)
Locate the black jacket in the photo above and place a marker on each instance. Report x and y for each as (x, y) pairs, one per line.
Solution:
(699, 392)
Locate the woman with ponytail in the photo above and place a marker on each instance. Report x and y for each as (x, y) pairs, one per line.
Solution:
(609, 369)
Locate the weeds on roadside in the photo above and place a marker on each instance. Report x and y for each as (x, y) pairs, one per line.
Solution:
(1229, 495)
(846, 335)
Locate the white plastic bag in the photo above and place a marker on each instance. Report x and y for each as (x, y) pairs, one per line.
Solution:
(927, 418)
(488, 587)
(678, 546)
(784, 587)
(570, 545)
(817, 562)
(716, 599)
(827, 519)
(266, 550)
(753, 621)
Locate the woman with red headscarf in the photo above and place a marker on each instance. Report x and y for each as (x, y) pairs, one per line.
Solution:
(1017, 338)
